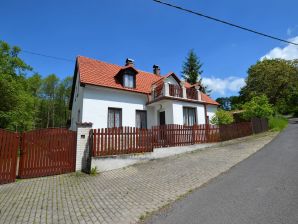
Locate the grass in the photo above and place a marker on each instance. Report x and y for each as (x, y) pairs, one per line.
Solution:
(278, 123)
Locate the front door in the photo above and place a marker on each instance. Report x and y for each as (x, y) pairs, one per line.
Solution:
(162, 118)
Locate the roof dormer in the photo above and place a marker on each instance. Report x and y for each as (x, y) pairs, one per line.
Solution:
(127, 76)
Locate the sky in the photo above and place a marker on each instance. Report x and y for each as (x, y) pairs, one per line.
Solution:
(150, 33)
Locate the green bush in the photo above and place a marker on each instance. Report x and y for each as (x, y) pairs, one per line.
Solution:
(222, 117)
(258, 106)
(277, 123)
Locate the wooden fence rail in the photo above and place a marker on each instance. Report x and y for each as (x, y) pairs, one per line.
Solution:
(9, 142)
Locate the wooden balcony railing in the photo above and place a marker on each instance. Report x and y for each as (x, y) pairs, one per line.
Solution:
(191, 94)
(175, 91)
(158, 91)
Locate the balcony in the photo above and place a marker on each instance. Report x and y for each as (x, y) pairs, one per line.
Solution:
(175, 91)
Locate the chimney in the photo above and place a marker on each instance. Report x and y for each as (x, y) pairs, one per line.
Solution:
(129, 62)
(156, 69)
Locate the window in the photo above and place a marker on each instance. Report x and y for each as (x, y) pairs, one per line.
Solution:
(129, 80)
(189, 116)
(141, 119)
(114, 117)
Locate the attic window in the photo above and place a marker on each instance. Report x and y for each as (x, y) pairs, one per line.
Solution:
(129, 79)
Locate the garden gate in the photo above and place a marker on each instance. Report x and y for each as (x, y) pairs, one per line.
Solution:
(9, 143)
(47, 152)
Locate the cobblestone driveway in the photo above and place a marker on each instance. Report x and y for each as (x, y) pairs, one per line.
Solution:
(120, 196)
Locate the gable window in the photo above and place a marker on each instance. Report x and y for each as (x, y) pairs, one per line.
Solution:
(128, 79)
(114, 117)
(141, 119)
(189, 116)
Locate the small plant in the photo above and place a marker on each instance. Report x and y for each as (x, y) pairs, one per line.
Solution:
(93, 171)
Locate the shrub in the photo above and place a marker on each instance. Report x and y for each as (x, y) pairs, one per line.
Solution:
(277, 123)
(222, 117)
(258, 106)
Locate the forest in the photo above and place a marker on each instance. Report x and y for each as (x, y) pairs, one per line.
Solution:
(28, 99)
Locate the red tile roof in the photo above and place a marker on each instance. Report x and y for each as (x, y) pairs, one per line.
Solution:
(100, 73)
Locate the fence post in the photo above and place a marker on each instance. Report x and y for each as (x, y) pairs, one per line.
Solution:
(193, 135)
(207, 132)
(83, 152)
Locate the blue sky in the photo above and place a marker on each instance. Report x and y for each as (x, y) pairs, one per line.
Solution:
(112, 30)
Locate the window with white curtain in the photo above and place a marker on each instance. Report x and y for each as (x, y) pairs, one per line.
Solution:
(114, 117)
(128, 80)
(189, 116)
(141, 119)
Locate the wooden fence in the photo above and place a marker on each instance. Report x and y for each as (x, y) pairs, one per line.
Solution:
(47, 152)
(9, 143)
(179, 135)
(259, 125)
(124, 140)
(236, 130)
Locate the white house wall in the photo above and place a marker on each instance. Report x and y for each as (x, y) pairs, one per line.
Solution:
(77, 104)
(211, 110)
(97, 100)
(178, 112)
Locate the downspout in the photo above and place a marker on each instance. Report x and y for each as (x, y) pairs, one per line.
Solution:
(205, 108)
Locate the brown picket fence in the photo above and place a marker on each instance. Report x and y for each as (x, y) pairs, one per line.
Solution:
(47, 152)
(179, 135)
(123, 140)
(9, 142)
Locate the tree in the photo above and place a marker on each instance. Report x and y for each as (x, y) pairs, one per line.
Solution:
(275, 78)
(33, 102)
(258, 106)
(192, 71)
(222, 117)
(229, 103)
(49, 89)
(16, 103)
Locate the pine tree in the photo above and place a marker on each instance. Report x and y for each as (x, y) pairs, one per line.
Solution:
(192, 71)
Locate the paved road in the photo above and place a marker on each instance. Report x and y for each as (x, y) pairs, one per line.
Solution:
(262, 189)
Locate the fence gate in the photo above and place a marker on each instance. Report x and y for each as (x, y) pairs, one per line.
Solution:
(47, 152)
(8, 156)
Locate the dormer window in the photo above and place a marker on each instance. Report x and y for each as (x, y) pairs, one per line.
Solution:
(129, 79)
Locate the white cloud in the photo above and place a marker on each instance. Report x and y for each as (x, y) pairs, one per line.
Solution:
(222, 86)
(289, 52)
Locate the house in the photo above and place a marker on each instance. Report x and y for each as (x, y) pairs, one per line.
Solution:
(110, 95)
